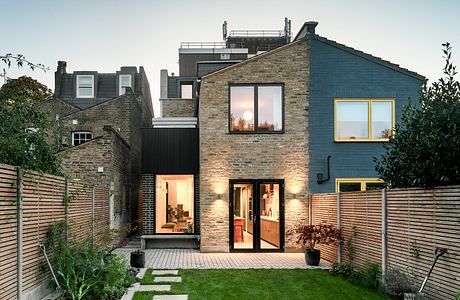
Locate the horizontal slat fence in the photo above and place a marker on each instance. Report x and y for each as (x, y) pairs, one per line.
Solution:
(42, 206)
(324, 211)
(418, 221)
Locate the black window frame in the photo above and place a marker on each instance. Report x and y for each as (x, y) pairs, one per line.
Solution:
(256, 108)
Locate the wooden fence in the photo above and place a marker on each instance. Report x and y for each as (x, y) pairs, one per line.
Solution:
(398, 229)
(30, 203)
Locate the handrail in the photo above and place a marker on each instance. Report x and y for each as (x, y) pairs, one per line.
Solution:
(187, 45)
(254, 33)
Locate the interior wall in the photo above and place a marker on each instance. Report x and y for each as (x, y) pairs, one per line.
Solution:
(160, 203)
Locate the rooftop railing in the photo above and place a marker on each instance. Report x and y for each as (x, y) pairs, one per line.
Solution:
(257, 33)
(194, 45)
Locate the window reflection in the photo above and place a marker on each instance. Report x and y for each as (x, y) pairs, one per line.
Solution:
(269, 108)
(242, 108)
(352, 120)
(381, 119)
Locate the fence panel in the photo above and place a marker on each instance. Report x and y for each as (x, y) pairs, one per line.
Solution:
(8, 229)
(324, 210)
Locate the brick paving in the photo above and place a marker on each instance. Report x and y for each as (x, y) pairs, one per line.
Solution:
(193, 259)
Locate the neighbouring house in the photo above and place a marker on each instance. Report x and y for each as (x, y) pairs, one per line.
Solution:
(99, 117)
(253, 125)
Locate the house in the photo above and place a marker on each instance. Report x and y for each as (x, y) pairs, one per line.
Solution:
(99, 117)
(243, 142)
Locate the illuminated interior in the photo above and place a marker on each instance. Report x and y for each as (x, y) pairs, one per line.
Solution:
(174, 205)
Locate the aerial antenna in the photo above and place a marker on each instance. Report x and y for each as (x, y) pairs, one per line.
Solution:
(287, 29)
(224, 30)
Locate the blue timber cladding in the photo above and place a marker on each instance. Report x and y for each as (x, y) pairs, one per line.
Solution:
(336, 73)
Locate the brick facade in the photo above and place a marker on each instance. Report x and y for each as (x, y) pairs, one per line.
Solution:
(226, 156)
(171, 108)
(112, 153)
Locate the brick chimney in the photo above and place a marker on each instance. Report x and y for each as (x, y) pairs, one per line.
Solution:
(311, 25)
(61, 69)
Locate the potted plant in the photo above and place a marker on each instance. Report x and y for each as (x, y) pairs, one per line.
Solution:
(308, 236)
(137, 259)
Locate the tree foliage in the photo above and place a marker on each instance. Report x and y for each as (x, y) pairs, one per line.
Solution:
(27, 88)
(425, 151)
(23, 127)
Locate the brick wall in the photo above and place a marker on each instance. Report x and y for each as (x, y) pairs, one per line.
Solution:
(226, 156)
(113, 154)
(148, 203)
(177, 108)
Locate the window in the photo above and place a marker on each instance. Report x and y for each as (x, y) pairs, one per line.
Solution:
(363, 120)
(186, 90)
(256, 108)
(80, 137)
(124, 81)
(358, 184)
(174, 204)
(85, 86)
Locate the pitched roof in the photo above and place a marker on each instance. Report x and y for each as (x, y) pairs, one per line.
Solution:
(303, 33)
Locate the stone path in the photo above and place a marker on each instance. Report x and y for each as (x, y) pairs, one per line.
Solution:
(161, 259)
(137, 287)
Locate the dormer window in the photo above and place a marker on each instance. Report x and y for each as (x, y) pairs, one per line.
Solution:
(124, 81)
(85, 86)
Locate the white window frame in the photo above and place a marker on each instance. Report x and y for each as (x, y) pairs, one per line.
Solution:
(78, 86)
(80, 132)
(120, 87)
(181, 91)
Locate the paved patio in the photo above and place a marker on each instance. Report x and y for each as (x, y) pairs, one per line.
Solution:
(193, 259)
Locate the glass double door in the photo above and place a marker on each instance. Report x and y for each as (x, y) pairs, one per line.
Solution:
(256, 215)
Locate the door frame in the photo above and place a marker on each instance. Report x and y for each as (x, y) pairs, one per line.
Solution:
(256, 209)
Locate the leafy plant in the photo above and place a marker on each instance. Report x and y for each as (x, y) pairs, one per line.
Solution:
(341, 269)
(310, 235)
(458, 296)
(425, 150)
(398, 283)
(369, 276)
(350, 245)
(85, 271)
(23, 128)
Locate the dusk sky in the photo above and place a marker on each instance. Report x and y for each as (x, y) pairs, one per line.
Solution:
(104, 35)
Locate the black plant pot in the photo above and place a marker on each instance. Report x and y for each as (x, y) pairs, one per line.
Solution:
(137, 259)
(312, 257)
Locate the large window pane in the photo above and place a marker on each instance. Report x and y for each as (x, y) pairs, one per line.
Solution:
(174, 204)
(186, 91)
(382, 112)
(85, 86)
(269, 216)
(242, 108)
(243, 226)
(352, 120)
(269, 108)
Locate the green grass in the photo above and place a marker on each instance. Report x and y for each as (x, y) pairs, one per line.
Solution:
(261, 284)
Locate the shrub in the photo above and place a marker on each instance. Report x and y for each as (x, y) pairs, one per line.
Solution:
(85, 271)
(310, 235)
(369, 276)
(458, 296)
(398, 283)
(342, 269)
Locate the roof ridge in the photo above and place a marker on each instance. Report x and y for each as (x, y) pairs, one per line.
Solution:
(370, 57)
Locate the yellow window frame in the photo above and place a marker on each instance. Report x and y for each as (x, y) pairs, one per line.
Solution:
(369, 118)
(362, 181)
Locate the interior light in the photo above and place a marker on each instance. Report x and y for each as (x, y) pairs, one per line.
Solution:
(247, 115)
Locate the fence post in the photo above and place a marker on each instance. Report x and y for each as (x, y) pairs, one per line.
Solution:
(66, 210)
(384, 236)
(92, 218)
(310, 209)
(339, 225)
(19, 222)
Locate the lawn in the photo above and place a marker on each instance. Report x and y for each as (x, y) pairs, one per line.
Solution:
(262, 284)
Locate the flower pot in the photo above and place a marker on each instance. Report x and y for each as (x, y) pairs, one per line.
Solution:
(312, 257)
(137, 259)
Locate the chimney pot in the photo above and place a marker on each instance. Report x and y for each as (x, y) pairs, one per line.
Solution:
(62, 66)
(311, 25)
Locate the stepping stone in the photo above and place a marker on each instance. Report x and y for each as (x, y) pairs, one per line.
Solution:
(155, 288)
(168, 279)
(141, 273)
(170, 297)
(130, 292)
(165, 272)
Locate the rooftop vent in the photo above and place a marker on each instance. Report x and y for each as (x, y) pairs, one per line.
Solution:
(311, 25)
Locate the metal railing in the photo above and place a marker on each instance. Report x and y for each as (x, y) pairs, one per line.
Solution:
(190, 45)
(257, 33)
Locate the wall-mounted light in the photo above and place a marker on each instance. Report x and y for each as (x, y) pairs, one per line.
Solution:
(219, 196)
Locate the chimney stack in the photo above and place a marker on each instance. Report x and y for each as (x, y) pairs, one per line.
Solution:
(311, 25)
(61, 69)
